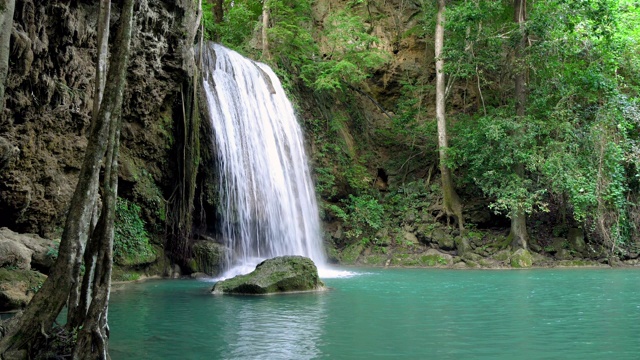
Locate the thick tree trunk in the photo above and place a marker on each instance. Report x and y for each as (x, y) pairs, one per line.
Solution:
(7, 8)
(519, 236)
(451, 204)
(266, 54)
(94, 334)
(45, 306)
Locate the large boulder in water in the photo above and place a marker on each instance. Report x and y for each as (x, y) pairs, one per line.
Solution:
(278, 275)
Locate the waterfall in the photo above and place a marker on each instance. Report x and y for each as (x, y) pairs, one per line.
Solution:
(267, 199)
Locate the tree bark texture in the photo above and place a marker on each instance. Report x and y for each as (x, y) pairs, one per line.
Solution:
(77, 306)
(39, 316)
(451, 204)
(7, 8)
(518, 234)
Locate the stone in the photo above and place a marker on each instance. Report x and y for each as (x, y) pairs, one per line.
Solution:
(351, 253)
(462, 245)
(521, 259)
(277, 275)
(576, 240)
(17, 287)
(14, 255)
(502, 255)
(409, 237)
(445, 241)
(557, 244)
(25, 251)
(208, 257)
(563, 254)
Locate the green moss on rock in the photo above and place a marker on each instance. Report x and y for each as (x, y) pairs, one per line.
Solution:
(207, 257)
(277, 275)
(521, 259)
(351, 253)
(17, 287)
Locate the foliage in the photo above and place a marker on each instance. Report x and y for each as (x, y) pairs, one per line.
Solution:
(351, 55)
(490, 147)
(52, 251)
(131, 240)
(361, 215)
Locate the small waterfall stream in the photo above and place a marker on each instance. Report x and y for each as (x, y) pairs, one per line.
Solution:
(267, 198)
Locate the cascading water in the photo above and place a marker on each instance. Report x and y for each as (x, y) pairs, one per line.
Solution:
(267, 198)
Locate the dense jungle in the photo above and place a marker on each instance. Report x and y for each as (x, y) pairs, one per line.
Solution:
(464, 134)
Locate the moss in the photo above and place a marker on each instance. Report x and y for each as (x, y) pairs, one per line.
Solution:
(351, 253)
(521, 259)
(374, 260)
(484, 263)
(207, 257)
(124, 274)
(280, 274)
(433, 260)
(17, 287)
(502, 256)
(471, 264)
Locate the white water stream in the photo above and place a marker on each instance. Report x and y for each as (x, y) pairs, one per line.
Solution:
(267, 199)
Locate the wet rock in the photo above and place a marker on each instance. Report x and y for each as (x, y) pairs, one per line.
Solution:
(277, 275)
(208, 257)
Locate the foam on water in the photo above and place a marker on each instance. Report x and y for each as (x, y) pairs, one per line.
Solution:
(267, 199)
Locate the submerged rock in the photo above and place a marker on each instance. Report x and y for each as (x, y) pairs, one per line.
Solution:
(277, 275)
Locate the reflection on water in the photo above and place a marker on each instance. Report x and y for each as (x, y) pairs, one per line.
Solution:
(271, 329)
(389, 314)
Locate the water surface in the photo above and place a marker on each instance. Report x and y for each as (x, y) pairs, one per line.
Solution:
(389, 314)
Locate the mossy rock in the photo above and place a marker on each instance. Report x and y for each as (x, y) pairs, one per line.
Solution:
(124, 274)
(433, 260)
(521, 259)
(502, 255)
(17, 287)
(351, 253)
(208, 257)
(374, 259)
(277, 275)
(462, 245)
(143, 256)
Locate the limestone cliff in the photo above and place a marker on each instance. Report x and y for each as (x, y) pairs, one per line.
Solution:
(48, 102)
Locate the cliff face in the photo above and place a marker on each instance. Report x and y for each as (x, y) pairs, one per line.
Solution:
(49, 100)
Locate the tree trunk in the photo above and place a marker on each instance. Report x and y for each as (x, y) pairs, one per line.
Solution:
(40, 314)
(451, 204)
(77, 306)
(518, 234)
(6, 27)
(265, 26)
(218, 11)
